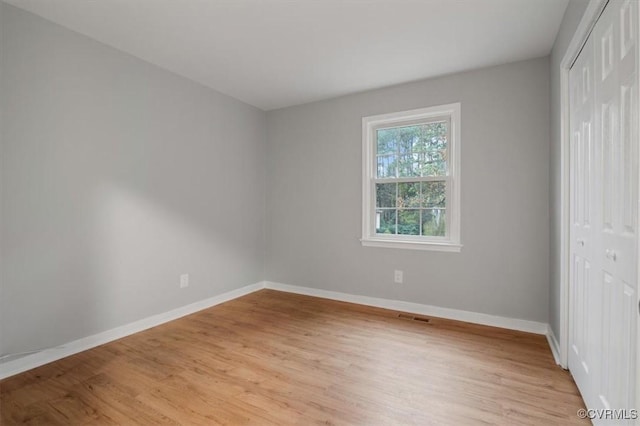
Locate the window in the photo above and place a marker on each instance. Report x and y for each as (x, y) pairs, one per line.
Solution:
(411, 179)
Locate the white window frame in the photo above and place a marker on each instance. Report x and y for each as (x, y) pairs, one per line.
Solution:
(449, 243)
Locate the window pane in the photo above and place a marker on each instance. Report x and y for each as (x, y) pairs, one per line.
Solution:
(433, 222)
(418, 150)
(407, 166)
(433, 163)
(409, 222)
(406, 138)
(408, 195)
(386, 166)
(431, 136)
(422, 149)
(386, 142)
(386, 221)
(386, 194)
(433, 194)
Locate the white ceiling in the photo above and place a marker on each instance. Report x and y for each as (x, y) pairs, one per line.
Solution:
(277, 53)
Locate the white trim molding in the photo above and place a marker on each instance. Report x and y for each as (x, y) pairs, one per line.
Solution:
(450, 242)
(553, 344)
(15, 366)
(417, 308)
(412, 245)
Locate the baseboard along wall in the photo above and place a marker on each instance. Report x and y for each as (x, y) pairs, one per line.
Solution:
(10, 368)
(554, 345)
(28, 362)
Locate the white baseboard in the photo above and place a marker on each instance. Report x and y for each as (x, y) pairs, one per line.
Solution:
(15, 366)
(10, 368)
(416, 308)
(553, 344)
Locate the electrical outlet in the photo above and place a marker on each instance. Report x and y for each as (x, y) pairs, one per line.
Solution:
(398, 276)
(184, 280)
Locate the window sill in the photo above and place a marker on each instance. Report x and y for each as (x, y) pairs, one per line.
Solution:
(412, 245)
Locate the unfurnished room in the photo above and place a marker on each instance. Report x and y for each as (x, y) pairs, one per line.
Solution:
(336, 212)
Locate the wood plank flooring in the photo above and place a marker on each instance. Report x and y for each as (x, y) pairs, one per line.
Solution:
(273, 358)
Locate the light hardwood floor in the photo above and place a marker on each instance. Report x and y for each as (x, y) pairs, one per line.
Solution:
(279, 358)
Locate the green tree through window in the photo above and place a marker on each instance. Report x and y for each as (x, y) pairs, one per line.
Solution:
(406, 206)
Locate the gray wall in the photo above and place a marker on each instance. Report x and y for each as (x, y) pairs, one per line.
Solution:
(570, 21)
(314, 196)
(117, 177)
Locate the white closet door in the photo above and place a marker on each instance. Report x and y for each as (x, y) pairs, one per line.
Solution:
(604, 210)
(583, 269)
(617, 146)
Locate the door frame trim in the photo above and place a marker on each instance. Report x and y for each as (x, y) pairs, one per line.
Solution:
(588, 21)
